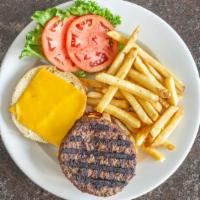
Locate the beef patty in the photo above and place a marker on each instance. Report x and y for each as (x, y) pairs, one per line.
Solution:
(97, 157)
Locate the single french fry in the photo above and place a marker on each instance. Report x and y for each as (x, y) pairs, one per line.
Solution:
(152, 113)
(148, 83)
(164, 103)
(169, 82)
(162, 121)
(179, 92)
(168, 145)
(180, 97)
(107, 116)
(142, 68)
(142, 135)
(133, 113)
(154, 153)
(119, 59)
(121, 125)
(135, 149)
(127, 86)
(120, 103)
(123, 71)
(92, 101)
(93, 94)
(118, 37)
(131, 129)
(137, 107)
(118, 95)
(116, 102)
(123, 116)
(155, 74)
(157, 105)
(151, 61)
(92, 83)
(167, 131)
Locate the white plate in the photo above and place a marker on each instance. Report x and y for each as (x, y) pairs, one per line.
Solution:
(39, 162)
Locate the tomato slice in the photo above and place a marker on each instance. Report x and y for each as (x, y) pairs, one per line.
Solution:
(54, 43)
(88, 45)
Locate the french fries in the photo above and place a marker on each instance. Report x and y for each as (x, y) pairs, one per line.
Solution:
(119, 59)
(165, 133)
(169, 82)
(127, 86)
(121, 74)
(142, 135)
(93, 94)
(92, 83)
(116, 102)
(141, 67)
(160, 68)
(164, 103)
(137, 107)
(118, 95)
(154, 153)
(149, 60)
(140, 95)
(122, 126)
(107, 116)
(152, 113)
(162, 121)
(148, 71)
(155, 74)
(157, 105)
(149, 83)
(124, 116)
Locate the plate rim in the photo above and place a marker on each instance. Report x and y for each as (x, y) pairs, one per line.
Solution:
(196, 128)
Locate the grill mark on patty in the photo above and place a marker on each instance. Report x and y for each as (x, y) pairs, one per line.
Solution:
(77, 138)
(97, 153)
(98, 167)
(98, 183)
(118, 142)
(99, 127)
(101, 174)
(111, 141)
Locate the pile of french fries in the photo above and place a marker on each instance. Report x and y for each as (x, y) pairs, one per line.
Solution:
(140, 95)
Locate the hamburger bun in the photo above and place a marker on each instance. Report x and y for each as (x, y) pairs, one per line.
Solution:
(21, 87)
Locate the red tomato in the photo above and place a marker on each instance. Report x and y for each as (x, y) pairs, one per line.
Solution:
(88, 45)
(54, 43)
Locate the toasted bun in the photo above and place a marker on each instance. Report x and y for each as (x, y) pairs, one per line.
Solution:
(22, 85)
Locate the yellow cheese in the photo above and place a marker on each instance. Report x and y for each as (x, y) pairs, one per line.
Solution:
(49, 106)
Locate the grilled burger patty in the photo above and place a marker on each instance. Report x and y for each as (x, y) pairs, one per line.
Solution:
(97, 157)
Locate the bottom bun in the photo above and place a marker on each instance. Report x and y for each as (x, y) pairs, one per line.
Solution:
(21, 87)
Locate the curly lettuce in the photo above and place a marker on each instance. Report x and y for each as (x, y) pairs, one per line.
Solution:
(33, 45)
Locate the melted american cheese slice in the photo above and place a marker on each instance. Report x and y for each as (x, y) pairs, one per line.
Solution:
(49, 106)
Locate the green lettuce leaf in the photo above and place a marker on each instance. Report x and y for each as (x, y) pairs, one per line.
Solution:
(82, 7)
(80, 74)
(120, 46)
(33, 44)
(42, 17)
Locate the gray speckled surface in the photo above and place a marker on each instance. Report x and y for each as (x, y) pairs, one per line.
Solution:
(184, 17)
